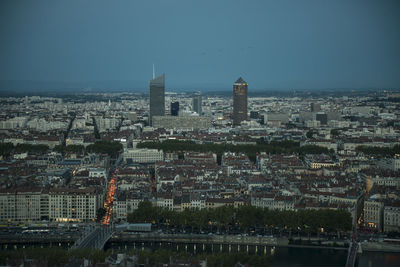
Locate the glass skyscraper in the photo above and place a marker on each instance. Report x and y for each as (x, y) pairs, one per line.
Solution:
(157, 97)
(196, 103)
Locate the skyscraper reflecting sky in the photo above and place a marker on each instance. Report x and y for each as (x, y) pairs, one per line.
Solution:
(157, 97)
(196, 103)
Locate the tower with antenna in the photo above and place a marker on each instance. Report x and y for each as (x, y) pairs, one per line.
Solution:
(157, 96)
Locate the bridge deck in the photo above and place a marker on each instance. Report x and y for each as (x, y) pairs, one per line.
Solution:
(95, 238)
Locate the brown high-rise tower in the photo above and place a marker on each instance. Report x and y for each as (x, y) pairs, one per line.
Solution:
(239, 101)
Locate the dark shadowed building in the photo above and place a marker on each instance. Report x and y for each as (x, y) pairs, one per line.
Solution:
(174, 108)
(157, 97)
(322, 118)
(315, 107)
(254, 115)
(239, 101)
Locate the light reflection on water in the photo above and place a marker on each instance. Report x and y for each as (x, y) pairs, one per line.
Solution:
(381, 259)
(301, 257)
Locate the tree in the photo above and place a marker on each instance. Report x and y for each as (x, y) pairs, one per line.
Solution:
(311, 149)
(379, 151)
(31, 148)
(74, 148)
(310, 134)
(70, 148)
(112, 148)
(335, 132)
(6, 149)
(58, 148)
(246, 217)
(100, 214)
(249, 216)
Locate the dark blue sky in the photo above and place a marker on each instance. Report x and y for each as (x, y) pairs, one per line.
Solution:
(203, 44)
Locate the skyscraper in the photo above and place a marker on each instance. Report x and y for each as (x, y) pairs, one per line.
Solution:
(239, 101)
(315, 107)
(157, 97)
(322, 118)
(174, 108)
(196, 103)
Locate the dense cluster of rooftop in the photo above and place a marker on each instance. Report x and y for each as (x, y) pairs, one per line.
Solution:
(288, 153)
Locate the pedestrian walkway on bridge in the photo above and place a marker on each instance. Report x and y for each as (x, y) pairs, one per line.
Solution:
(94, 237)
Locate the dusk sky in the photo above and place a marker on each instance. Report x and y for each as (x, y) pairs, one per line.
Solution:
(204, 44)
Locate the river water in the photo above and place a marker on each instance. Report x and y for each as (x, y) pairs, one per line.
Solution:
(280, 256)
(301, 257)
(291, 257)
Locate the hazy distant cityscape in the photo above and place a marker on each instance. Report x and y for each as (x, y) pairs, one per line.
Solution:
(99, 169)
(176, 133)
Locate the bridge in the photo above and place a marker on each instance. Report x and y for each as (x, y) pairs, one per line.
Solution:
(352, 256)
(94, 238)
(355, 246)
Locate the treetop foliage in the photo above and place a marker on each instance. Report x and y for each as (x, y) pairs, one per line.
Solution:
(379, 151)
(69, 148)
(112, 148)
(55, 256)
(7, 148)
(244, 217)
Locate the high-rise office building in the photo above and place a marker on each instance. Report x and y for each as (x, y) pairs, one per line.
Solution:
(157, 97)
(196, 103)
(315, 107)
(254, 115)
(322, 118)
(239, 101)
(174, 108)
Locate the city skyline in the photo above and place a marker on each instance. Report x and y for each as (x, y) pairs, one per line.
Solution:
(86, 171)
(104, 164)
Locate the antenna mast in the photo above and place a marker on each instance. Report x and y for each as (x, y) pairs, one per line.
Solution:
(154, 73)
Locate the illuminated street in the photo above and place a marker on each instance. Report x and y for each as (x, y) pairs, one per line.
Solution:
(108, 202)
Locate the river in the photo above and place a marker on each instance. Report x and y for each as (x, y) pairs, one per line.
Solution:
(293, 257)
(301, 257)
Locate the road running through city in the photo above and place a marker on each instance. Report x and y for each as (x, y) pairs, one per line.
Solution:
(108, 202)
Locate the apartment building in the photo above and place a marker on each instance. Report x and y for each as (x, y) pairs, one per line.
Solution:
(23, 205)
(70, 204)
(373, 213)
(143, 155)
(391, 215)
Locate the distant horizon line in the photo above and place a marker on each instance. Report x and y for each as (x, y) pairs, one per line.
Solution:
(22, 85)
